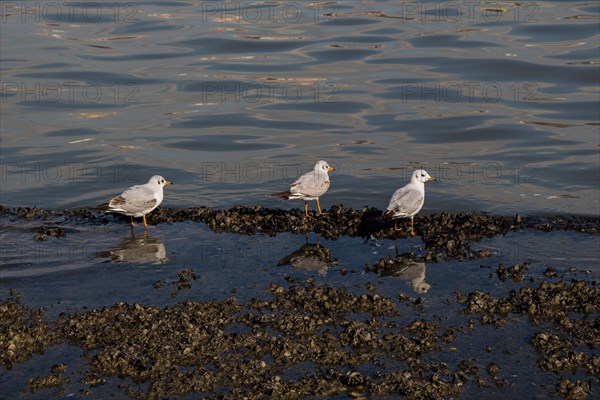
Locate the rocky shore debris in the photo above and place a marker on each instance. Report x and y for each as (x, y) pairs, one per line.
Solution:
(340, 221)
(435, 229)
(570, 315)
(446, 236)
(23, 331)
(43, 232)
(514, 272)
(310, 257)
(313, 340)
(303, 339)
(260, 349)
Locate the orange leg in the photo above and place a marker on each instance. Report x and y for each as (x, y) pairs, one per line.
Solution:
(145, 224)
(319, 207)
(412, 227)
(306, 209)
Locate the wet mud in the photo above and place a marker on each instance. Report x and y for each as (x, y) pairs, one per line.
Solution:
(266, 347)
(445, 235)
(309, 339)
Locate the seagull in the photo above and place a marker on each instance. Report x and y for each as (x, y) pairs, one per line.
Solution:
(309, 186)
(138, 200)
(408, 200)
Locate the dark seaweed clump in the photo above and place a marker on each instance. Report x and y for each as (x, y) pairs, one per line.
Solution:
(340, 221)
(446, 236)
(23, 331)
(305, 340)
(571, 314)
(43, 232)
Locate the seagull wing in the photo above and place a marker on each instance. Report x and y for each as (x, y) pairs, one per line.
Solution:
(136, 199)
(405, 201)
(310, 184)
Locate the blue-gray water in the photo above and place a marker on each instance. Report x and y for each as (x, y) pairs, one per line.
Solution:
(233, 100)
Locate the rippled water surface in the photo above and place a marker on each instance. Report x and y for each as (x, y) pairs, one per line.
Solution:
(232, 100)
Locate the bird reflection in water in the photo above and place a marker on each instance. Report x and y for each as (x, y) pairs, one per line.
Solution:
(406, 268)
(140, 249)
(414, 272)
(310, 257)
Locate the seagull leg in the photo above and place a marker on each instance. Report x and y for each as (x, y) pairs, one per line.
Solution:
(319, 207)
(396, 229)
(412, 227)
(145, 224)
(132, 222)
(306, 209)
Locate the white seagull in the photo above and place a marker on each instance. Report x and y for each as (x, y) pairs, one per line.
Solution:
(139, 200)
(408, 200)
(309, 186)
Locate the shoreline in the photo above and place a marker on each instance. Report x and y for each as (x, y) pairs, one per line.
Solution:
(275, 220)
(356, 336)
(446, 236)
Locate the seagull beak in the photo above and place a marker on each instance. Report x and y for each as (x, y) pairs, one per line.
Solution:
(168, 183)
(431, 178)
(330, 169)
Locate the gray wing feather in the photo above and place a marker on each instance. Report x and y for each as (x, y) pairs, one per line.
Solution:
(310, 184)
(405, 202)
(135, 199)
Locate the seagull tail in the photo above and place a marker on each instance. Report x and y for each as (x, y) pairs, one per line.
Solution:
(387, 216)
(282, 195)
(102, 207)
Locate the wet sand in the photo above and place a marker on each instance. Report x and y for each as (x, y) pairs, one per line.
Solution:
(527, 331)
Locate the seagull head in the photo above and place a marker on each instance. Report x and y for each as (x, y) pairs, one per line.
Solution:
(322, 166)
(159, 181)
(421, 176)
